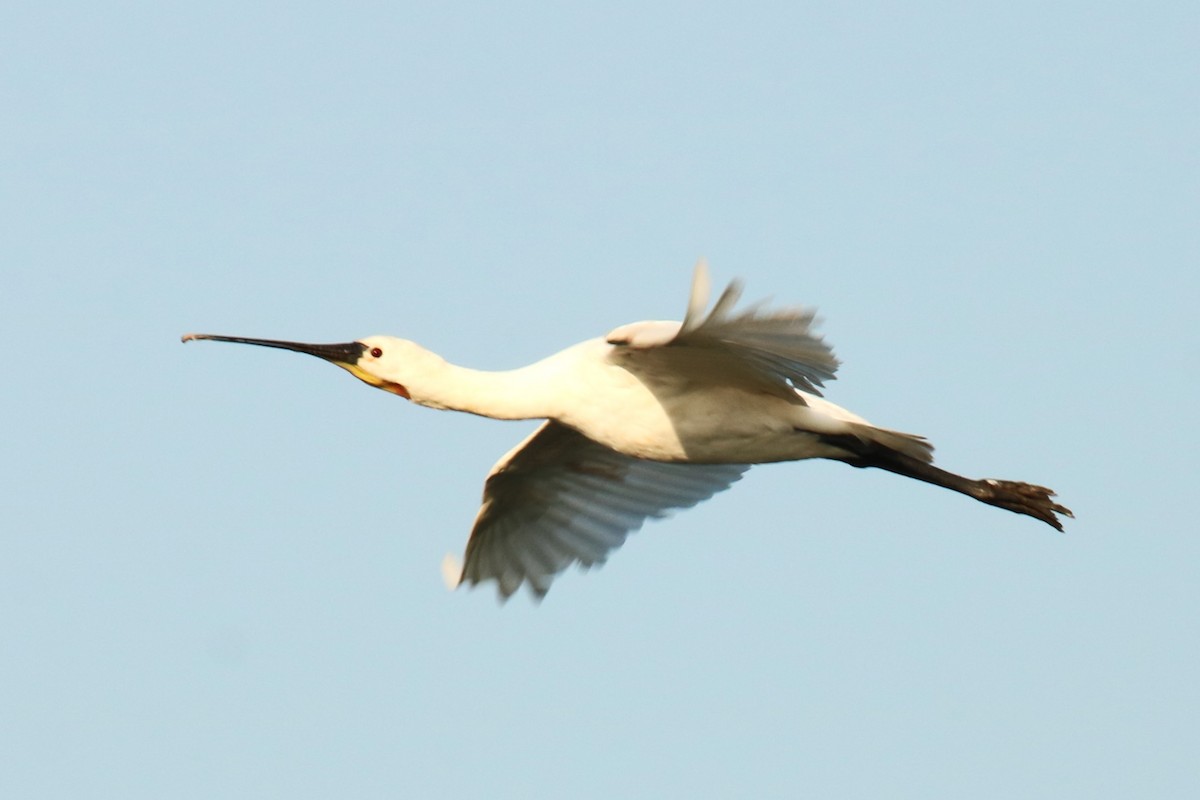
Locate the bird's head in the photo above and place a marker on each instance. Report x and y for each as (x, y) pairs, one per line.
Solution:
(377, 360)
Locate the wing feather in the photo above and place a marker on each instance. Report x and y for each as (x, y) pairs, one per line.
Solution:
(559, 498)
(776, 346)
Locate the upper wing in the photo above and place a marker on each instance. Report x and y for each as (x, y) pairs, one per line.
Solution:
(778, 346)
(559, 497)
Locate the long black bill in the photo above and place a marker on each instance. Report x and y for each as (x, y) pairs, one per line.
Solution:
(347, 353)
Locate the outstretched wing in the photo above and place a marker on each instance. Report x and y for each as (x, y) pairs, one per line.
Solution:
(775, 345)
(558, 497)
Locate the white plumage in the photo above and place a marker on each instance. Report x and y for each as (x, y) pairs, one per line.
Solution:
(655, 417)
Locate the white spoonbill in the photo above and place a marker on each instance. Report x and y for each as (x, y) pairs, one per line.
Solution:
(654, 417)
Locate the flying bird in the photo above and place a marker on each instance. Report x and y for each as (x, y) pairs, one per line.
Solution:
(654, 417)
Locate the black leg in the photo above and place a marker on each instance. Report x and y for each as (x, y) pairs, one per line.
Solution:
(1018, 497)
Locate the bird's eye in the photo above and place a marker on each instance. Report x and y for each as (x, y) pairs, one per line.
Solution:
(376, 352)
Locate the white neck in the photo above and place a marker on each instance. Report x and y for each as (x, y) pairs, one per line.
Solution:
(513, 394)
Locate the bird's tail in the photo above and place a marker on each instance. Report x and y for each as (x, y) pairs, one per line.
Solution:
(908, 444)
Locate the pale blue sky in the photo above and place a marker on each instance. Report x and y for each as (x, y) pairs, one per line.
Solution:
(219, 566)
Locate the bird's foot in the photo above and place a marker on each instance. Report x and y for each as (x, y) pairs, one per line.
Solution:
(1023, 498)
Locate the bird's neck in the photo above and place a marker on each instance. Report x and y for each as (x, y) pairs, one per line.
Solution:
(512, 394)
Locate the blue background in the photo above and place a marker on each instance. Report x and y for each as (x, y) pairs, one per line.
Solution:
(219, 566)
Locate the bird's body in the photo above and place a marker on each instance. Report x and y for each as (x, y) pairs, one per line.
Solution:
(653, 412)
(656, 416)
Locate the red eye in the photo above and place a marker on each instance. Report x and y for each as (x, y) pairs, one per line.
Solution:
(376, 352)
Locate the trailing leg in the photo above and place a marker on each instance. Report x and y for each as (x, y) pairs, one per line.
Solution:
(1018, 497)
